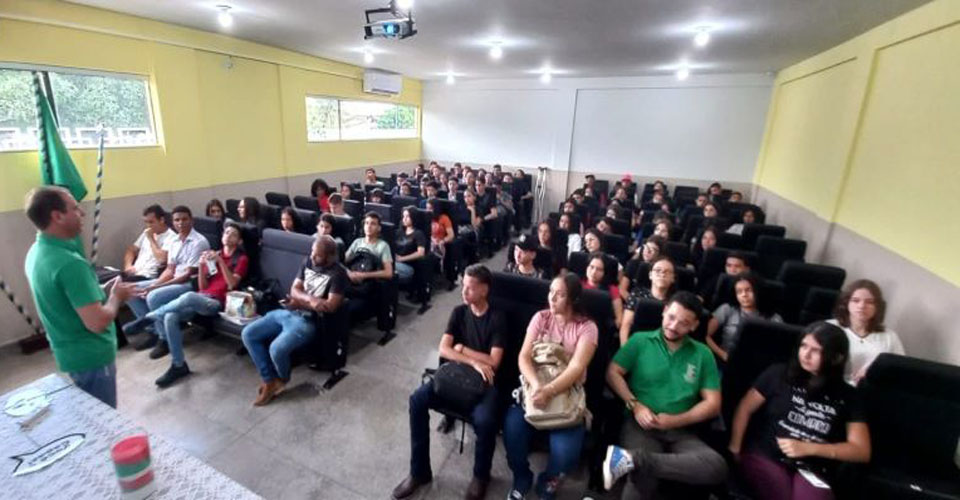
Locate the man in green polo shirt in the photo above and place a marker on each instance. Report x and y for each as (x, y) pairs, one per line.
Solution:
(669, 383)
(69, 300)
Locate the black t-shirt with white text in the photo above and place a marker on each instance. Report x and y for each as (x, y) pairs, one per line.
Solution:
(792, 412)
(480, 333)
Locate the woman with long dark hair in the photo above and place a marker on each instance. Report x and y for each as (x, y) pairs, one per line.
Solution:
(320, 190)
(248, 211)
(860, 311)
(808, 422)
(215, 209)
(564, 323)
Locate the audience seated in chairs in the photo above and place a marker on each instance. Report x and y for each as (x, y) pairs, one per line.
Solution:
(524, 255)
(412, 251)
(670, 385)
(215, 209)
(148, 254)
(661, 285)
(442, 235)
(271, 340)
(183, 258)
(810, 423)
(705, 241)
(325, 227)
(475, 337)
(248, 212)
(860, 311)
(289, 221)
(736, 263)
(596, 280)
(564, 323)
(370, 243)
(574, 240)
(336, 205)
(219, 272)
(546, 237)
(592, 241)
(727, 318)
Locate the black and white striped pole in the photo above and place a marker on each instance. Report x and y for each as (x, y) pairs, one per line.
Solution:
(96, 204)
(36, 341)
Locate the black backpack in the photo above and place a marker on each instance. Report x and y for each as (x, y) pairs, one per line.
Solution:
(364, 261)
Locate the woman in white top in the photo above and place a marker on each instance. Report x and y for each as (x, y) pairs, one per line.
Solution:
(860, 310)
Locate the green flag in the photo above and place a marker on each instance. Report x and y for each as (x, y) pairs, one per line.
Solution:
(55, 163)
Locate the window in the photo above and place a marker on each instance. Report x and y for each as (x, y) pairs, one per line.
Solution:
(83, 102)
(330, 119)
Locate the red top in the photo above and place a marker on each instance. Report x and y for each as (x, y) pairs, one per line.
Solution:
(217, 284)
(438, 229)
(614, 291)
(324, 202)
(131, 450)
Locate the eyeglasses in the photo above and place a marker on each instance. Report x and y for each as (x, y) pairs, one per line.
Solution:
(662, 272)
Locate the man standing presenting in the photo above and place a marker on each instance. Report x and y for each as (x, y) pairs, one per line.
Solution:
(69, 300)
(669, 383)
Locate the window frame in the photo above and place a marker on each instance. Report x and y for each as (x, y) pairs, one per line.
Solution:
(45, 71)
(340, 101)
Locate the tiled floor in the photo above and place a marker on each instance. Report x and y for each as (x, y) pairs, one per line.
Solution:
(351, 442)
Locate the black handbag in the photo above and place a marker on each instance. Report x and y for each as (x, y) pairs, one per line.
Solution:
(459, 385)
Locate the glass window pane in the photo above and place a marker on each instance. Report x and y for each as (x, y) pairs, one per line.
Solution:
(377, 120)
(121, 104)
(18, 115)
(323, 119)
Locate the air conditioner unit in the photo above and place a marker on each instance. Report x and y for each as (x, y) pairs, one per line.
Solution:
(382, 82)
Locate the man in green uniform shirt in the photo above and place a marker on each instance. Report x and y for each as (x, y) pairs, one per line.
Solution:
(669, 383)
(69, 300)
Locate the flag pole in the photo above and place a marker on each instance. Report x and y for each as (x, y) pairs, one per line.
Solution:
(38, 340)
(96, 204)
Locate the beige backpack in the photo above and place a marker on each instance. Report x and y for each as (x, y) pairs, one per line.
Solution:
(564, 410)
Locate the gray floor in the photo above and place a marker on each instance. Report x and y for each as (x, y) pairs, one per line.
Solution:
(351, 442)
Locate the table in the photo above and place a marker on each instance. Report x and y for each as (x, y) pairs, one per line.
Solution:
(88, 472)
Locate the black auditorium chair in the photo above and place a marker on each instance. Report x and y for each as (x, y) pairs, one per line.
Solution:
(773, 252)
(818, 305)
(617, 245)
(422, 285)
(770, 293)
(307, 221)
(380, 299)
(762, 343)
(621, 226)
(280, 257)
(404, 201)
(678, 252)
(686, 192)
(306, 203)
(913, 410)
(278, 199)
(729, 241)
(453, 259)
(578, 263)
(798, 277)
(344, 228)
(271, 215)
(385, 212)
(231, 206)
(753, 231)
(648, 315)
(210, 228)
(354, 209)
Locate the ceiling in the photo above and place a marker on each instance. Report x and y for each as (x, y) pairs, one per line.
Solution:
(583, 38)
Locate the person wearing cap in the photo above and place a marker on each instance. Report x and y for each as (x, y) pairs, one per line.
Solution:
(524, 254)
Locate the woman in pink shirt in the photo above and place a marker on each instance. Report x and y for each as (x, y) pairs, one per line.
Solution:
(566, 324)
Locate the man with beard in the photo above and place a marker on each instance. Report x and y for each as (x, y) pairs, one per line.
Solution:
(669, 383)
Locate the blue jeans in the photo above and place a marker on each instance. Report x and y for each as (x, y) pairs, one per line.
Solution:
(100, 383)
(404, 272)
(156, 298)
(271, 340)
(167, 317)
(485, 424)
(565, 446)
(137, 304)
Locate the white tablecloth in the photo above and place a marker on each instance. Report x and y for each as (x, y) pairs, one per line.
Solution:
(88, 472)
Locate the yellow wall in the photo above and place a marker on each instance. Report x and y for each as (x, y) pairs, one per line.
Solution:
(865, 135)
(215, 124)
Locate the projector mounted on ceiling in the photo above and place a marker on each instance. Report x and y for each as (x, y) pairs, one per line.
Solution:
(389, 22)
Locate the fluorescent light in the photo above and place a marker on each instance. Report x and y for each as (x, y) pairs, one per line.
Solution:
(702, 38)
(496, 51)
(683, 74)
(404, 4)
(546, 77)
(224, 17)
(367, 57)
(450, 79)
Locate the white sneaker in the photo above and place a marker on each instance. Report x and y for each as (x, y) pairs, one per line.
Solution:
(617, 464)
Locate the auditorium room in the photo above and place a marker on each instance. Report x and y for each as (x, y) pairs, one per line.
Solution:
(499, 249)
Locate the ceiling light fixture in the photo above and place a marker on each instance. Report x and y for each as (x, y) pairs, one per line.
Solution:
(224, 17)
(546, 77)
(702, 38)
(405, 5)
(450, 79)
(496, 50)
(683, 73)
(367, 57)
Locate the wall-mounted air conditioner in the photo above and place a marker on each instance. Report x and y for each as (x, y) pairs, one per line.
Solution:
(382, 82)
